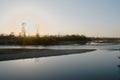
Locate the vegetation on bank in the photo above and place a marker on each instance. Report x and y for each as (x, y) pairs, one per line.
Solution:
(105, 40)
(43, 40)
(52, 40)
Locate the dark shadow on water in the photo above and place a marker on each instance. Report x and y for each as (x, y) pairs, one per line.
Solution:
(114, 49)
(14, 54)
(119, 57)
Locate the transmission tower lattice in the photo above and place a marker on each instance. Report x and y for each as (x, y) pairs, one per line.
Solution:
(23, 30)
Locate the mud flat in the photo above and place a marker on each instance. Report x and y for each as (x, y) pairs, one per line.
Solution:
(13, 54)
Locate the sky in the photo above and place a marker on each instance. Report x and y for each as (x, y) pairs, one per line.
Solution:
(94, 18)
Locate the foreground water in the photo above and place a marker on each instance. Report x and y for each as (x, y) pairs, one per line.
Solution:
(102, 64)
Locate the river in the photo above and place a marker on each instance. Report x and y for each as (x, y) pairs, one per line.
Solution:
(102, 64)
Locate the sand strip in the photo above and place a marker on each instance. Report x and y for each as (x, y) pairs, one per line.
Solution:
(13, 54)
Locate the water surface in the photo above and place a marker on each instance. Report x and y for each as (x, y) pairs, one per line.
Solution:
(102, 64)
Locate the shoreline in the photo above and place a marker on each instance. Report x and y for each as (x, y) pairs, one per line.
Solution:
(14, 54)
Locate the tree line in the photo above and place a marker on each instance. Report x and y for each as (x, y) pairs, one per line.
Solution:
(43, 40)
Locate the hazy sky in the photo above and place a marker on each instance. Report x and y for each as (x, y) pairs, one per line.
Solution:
(89, 17)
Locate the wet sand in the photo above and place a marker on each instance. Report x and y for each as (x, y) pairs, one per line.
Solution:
(14, 54)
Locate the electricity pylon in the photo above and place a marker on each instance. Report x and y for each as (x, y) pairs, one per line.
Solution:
(37, 30)
(23, 30)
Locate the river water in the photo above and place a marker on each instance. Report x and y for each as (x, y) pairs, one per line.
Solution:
(102, 64)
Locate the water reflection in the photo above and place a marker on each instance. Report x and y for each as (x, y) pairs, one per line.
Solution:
(119, 68)
(36, 60)
(97, 65)
(21, 47)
